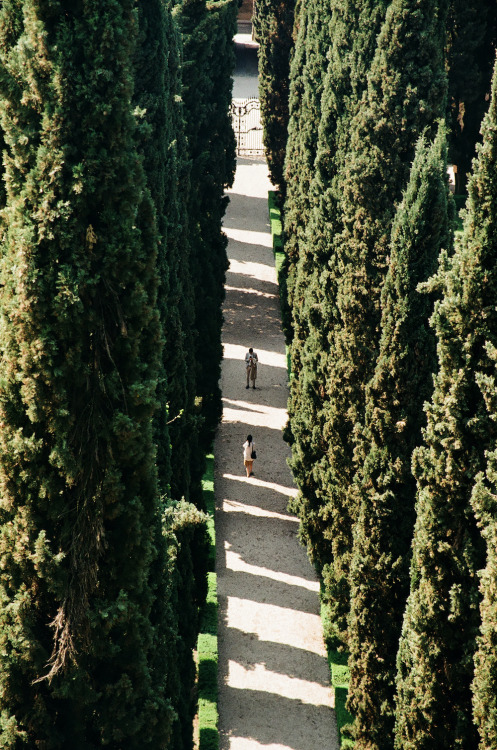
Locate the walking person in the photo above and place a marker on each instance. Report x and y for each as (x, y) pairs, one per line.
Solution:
(251, 360)
(249, 455)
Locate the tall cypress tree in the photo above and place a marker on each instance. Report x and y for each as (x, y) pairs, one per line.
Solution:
(442, 615)
(160, 111)
(273, 24)
(179, 573)
(484, 501)
(401, 383)
(308, 67)
(80, 341)
(208, 63)
(353, 28)
(395, 109)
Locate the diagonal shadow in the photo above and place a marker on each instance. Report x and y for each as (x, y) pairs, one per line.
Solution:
(274, 686)
(272, 592)
(242, 543)
(252, 650)
(281, 722)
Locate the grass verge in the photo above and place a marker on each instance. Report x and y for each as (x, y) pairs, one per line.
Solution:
(207, 639)
(339, 673)
(276, 224)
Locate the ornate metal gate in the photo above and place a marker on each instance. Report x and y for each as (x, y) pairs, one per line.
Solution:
(246, 119)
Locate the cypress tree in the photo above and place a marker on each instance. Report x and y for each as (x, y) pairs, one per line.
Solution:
(484, 682)
(179, 573)
(157, 97)
(80, 341)
(208, 63)
(401, 383)
(352, 28)
(185, 531)
(273, 25)
(395, 109)
(442, 615)
(307, 70)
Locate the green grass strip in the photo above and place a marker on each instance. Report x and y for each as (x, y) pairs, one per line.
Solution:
(275, 222)
(207, 640)
(209, 498)
(339, 672)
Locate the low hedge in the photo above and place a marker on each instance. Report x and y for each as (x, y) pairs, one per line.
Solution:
(207, 640)
(339, 673)
(276, 224)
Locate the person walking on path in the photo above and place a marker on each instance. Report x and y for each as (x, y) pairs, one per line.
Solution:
(251, 360)
(249, 455)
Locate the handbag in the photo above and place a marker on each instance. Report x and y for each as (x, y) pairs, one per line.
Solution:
(254, 454)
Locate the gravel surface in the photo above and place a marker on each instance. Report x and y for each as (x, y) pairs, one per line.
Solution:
(273, 675)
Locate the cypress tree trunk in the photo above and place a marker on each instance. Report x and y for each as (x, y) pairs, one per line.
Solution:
(80, 342)
(442, 616)
(394, 417)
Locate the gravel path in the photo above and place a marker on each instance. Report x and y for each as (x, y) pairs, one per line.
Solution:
(273, 675)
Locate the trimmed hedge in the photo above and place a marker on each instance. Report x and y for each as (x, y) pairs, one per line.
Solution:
(276, 224)
(207, 639)
(339, 673)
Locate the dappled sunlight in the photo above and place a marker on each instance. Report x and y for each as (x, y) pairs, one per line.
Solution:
(281, 684)
(266, 357)
(261, 271)
(284, 625)
(288, 491)
(235, 562)
(265, 416)
(248, 236)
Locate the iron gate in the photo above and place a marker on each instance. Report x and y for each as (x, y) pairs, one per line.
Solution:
(246, 119)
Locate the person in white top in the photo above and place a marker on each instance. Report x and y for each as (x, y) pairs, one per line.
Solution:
(251, 360)
(248, 455)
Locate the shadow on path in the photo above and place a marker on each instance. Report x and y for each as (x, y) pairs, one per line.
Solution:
(274, 691)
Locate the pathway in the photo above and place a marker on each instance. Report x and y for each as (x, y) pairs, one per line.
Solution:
(274, 689)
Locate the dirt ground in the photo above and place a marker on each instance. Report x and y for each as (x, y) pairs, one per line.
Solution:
(273, 678)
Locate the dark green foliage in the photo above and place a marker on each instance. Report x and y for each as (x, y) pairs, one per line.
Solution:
(442, 616)
(472, 37)
(207, 641)
(354, 27)
(393, 112)
(185, 529)
(2, 183)
(307, 72)
(80, 343)
(484, 502)
(273, 25)
(157, 90)
(208, 62)
(402, 382)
